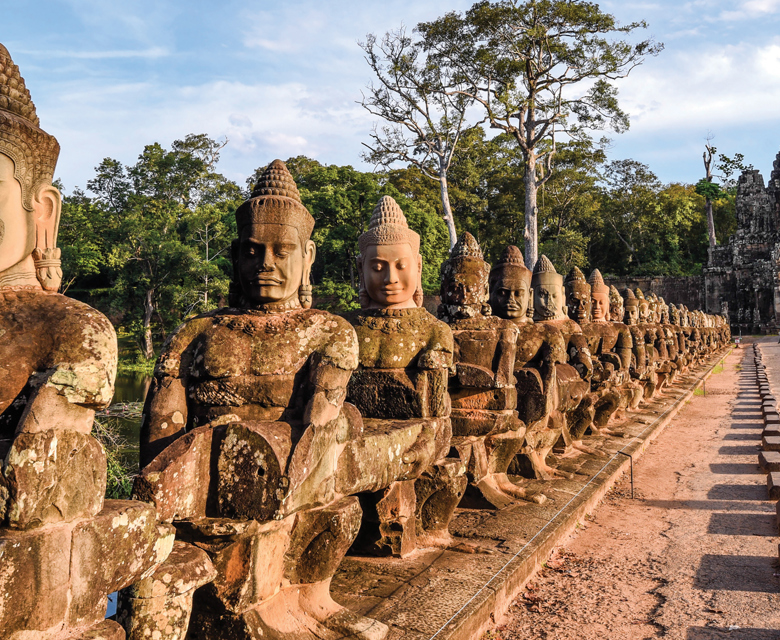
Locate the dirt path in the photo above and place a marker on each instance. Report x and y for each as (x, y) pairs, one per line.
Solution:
(693, 556)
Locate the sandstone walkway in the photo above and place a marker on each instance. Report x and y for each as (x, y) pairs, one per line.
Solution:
(694, 555)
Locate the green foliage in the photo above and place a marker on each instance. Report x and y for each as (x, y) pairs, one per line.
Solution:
(119, 483)
(155, 237)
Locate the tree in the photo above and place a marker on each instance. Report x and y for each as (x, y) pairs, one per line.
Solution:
(426, 115)
(711, 190)
(170, 218)
(549, 65)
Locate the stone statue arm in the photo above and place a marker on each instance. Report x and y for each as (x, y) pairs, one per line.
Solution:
(624, 347)
(579, 355)
(81, 382)
(329, 373)
(165, 413)
(439, 351)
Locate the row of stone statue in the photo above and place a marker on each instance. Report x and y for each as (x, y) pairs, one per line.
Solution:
(275, 436)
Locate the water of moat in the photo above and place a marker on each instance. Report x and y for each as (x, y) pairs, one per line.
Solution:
(125, 411)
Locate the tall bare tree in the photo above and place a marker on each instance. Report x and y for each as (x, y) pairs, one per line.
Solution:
(538, 68)
(424, 108)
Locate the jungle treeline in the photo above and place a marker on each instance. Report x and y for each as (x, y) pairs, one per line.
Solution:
(149, 243)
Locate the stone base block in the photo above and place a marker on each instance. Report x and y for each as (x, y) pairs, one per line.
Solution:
(770, 443)
(111, 551)
(57, 475)
(773, 485)
(769, 461)
(106, 630)
(160, 605)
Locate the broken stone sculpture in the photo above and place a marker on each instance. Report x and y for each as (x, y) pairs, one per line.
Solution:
(408, 485)
(63, 548)
(244, 425)
(486, 431)
(643, 367)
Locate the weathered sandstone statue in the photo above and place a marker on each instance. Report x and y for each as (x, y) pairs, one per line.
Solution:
(642, 367)
(610, 345)
(243, 428)
(574, 401)
(540, 349)
(616, 310)
(409, 487)
(63, 549)
(485, 428)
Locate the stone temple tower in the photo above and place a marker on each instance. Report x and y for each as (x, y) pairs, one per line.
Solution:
(742, 277)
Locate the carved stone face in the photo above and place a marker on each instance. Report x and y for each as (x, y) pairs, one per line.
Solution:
(578, 301)
(599, 306)
(644, 311)
(390, 275)
(509, 297)
(17, 233)
(271, 262)
(632, 314)
(548, 301)
(466, 284)
(616, 312)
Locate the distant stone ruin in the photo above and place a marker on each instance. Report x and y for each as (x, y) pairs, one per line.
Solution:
(742, 279)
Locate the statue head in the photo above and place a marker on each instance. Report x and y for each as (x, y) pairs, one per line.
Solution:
(674, 314)
(29, 205)
(664, 313)
(615, 304)
(389, 264)
(599, 297)
(273, 254)
(684, 319)
(464, 279)
(644, 306)
(577, 295)
(631, 305)
(549, 296)
(510, 286)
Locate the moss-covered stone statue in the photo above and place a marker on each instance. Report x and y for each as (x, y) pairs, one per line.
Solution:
(243, 427)
(575, 400)
(611, 346)
(486, 430)
(63, 549)
(409, 488)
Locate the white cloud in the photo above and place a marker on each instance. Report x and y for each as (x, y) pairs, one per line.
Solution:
(751, 9)
(261, 122)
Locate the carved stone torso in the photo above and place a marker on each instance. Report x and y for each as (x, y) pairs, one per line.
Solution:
(539, 342)
(398, 338)
(46, 337)
(405, 359)
(254, 363)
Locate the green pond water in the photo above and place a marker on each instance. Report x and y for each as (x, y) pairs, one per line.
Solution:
(129, 388)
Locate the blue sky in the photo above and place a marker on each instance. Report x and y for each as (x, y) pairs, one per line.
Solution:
(282, 79)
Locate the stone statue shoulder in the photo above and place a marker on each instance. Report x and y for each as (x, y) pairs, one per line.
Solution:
(540, 340)
(231, 341)
(401, 338)
(68, 341)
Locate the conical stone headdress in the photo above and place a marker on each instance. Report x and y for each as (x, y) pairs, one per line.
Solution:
(33, 151)
(544, 271)
(275, 200)
(639, 294)
(388, 226)
(467, 247)
(629, 298)
(511, 263)
(575, 275)
(596, 283)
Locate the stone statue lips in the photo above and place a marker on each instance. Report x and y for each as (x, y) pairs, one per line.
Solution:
(266, 281)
